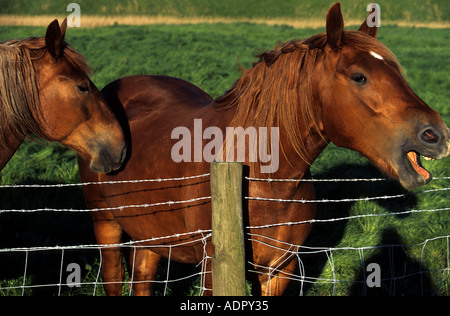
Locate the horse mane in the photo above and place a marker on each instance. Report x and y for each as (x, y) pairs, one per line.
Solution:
(277, 90)
(20, 111)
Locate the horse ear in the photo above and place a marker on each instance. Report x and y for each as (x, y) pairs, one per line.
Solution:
(63, 28)
(54, 39)
(365, 28)
(335, 26)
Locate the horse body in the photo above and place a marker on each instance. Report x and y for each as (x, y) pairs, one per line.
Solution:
(344, 87)
(141, 97)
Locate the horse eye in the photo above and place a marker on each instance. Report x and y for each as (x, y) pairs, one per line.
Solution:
(359, 78)
(83, 87)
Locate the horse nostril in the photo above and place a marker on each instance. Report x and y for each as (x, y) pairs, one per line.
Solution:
(123, 154)
(429, 136)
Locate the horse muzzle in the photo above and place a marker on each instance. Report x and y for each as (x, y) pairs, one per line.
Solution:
(108, 160)
(431, 143)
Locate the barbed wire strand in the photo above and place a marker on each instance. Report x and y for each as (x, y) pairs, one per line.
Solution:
(291, 249)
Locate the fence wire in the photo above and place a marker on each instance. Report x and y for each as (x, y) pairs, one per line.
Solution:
(25, 284)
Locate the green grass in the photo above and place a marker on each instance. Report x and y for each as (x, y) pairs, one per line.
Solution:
(405, 10)
(207, 56)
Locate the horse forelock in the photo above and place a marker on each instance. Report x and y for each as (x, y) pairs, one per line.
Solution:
(35, 44)
(362, 42)
(278, 90)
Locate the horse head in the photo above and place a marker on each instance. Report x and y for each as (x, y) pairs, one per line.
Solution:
(367, 105)
(73, 111)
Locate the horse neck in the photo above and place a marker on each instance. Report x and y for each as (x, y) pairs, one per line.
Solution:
(281, 90)
(291, 165)
(14, 96)
(19, 97)
(8, 149)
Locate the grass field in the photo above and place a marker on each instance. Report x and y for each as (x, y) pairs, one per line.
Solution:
(207, 56)
(400, 10)
(300, 14)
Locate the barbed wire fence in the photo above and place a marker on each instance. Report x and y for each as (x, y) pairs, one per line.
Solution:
(333, 279)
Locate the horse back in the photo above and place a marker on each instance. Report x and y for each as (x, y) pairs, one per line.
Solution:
(132, 96)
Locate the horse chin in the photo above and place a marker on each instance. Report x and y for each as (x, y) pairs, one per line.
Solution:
(103, 167)
(98, 167)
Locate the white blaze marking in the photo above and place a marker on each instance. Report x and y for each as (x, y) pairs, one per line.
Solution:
(376, 55)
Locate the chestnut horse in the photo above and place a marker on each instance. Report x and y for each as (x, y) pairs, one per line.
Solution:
(341, 86)
(45, 91)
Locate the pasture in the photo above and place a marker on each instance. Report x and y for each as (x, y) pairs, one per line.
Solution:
(208, 55)
(393, 11)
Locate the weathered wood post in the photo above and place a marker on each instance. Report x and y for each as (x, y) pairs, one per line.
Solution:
(228, 261)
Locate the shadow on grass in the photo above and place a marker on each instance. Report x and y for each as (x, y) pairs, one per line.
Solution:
(393, 260)
(42, 229)
(400, 275)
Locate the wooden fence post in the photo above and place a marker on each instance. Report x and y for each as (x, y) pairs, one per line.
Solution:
(228, 261)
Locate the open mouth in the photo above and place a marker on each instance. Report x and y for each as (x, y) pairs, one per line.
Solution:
(414, 159)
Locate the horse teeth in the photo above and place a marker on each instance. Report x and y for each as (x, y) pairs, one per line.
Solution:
(428, 158)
